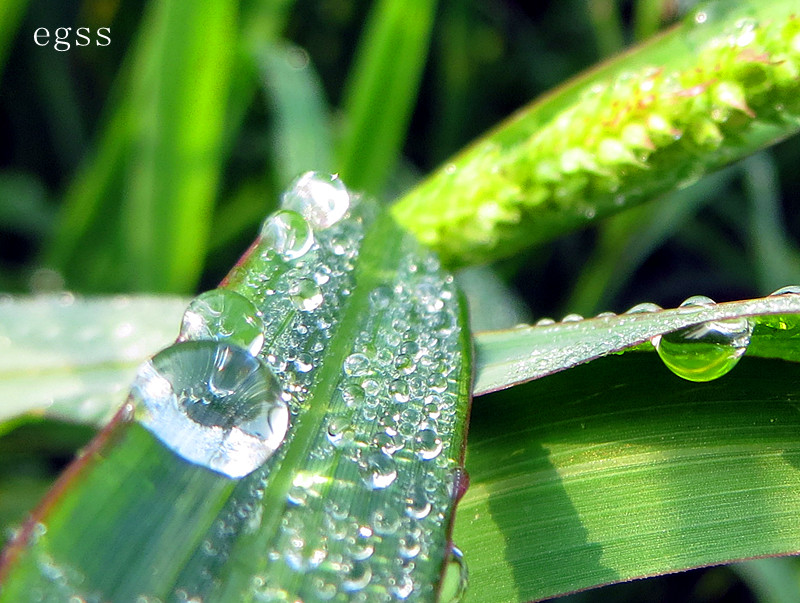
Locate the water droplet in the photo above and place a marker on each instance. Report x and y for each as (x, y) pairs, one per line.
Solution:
(288, 233)
(455, 579)
(405, 364)
(303, 363)
(418, 506)
(212, 403)
(305, 295)
(357, 576)
(356, 365)
(697, 301)
(572, 318)
(321, 199)
(788, 290)
(429, 445)
(644, 308)
(706, 351)
(223, 315)
(379, 470)
(544, 322)
(385, 521)
(380, 297)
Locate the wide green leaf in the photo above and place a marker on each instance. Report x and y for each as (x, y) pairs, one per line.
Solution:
(367, 338)
(618, 469)
(73, 358)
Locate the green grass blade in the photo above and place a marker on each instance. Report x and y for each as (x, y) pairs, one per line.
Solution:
(132, 518)
(618, 469)
(180, 93)
(73, 359)
(382, 90)
(159, 153)
(777, 259)
(717, 88)
(506, 358)
(302, 136)
(11, 12)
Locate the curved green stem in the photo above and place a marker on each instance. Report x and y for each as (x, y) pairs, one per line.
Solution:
(718, 87)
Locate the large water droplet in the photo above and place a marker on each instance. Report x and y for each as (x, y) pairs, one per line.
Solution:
(212, 403)
(321, 199)
(223, 315)
(455, 579)
(288, 233)
(705, 351)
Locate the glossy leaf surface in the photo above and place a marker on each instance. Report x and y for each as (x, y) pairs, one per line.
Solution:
(358, 498)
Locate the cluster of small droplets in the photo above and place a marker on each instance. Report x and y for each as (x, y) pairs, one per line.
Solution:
(301, 270)
(304, 272)
(391, 424)
(602, 151)
(396, 399)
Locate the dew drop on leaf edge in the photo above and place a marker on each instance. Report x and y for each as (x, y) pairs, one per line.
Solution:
(288, 233)
(705, 351)
(321, 199)
(455, 579)
(223, 315)
(213, 404)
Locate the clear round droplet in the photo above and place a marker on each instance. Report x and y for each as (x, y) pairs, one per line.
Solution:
(306, 295)
(690, 304)
(788, 290)
(706, 351)
(379, 470)
(429, 445)
(321, 199)
(385, 521)
(356, 365)
(223, 315)
(212, 403)
(644, 308)
(357, 576)
(455, 579)
(288, 233)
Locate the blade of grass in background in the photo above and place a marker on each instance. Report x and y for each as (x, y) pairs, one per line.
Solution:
(607, 25)
(777, 260)
(301, 131)
(618, 469)
(74, 358)
(159, 155)
(11, 12)
(179, 96)
(382, 89)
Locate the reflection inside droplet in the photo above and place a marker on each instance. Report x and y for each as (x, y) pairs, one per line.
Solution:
(223, 315)
(455, 579)
(212, 403)
(288, 233)
(705, 351)
(321, 199)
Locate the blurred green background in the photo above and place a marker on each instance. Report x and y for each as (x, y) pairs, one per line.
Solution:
(147, 165)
